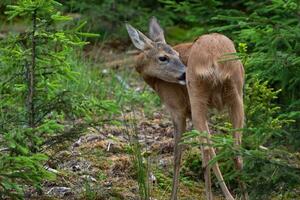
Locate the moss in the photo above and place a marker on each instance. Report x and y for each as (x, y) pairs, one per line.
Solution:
(192, 164)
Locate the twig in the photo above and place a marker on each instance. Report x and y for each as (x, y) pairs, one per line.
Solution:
(31, 77)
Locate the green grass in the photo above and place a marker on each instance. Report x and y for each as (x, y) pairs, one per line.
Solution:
(110, 91)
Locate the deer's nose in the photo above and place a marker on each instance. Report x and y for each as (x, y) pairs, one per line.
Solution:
(182, 77)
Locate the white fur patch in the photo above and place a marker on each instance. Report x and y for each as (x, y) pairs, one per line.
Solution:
(182, 82)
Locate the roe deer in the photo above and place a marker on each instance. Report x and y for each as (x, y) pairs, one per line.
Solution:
(210, 84)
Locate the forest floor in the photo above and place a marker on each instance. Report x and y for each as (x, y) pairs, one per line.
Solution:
(99, 162)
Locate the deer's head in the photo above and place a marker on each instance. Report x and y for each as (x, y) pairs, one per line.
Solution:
(160, 60)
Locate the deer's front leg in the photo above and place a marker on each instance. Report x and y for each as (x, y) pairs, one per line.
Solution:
(179, 121)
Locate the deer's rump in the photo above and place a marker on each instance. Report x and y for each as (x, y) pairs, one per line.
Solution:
(213, 62)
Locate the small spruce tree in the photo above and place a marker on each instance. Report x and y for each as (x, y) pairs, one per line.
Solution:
(34, 70)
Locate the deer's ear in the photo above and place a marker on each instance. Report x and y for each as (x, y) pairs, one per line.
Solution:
(139, 40)
(156, 33)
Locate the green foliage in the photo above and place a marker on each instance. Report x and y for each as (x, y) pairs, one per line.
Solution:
(142, 171)
(261, 110)
(35, 102)
(18, 169)
(264, 146)
(140, 165)
(271, 30)
(267, 142)
(107, 17)
(89, 194)
(192, 164)
(53, 46)
(163, 181)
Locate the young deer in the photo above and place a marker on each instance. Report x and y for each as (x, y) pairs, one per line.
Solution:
(210, 84)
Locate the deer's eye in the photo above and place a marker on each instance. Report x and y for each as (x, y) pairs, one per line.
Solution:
(163, 58)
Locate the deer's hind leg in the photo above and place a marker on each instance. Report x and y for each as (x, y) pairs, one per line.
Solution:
(234, 100)
(199, 93)
(236, 114)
